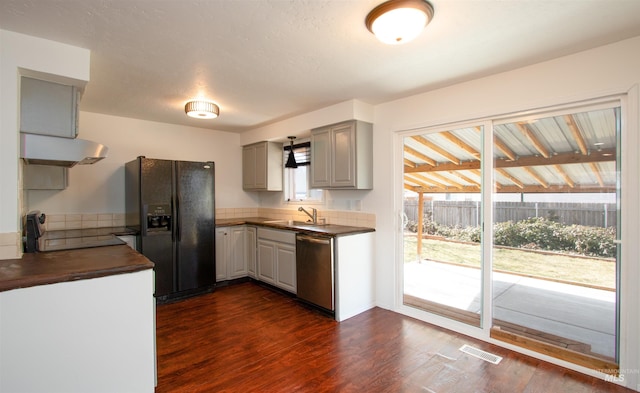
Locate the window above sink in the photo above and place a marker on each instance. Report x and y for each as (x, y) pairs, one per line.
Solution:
(296, 180)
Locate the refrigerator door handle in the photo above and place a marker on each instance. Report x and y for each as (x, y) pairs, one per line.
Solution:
(178, 234)
(143, 220)
(174, 218)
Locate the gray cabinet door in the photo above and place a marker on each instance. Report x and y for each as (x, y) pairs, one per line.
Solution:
(250, 251)
(343, 159)
(342, 156)
(248, 167)
(48, 108)
(237, 261)
(222, 253)
(320, 158)
(260, 168)
(286, 270)
(267, 261)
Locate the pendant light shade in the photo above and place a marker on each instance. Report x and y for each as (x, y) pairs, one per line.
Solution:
(291, 160)
(399, 21)
(201, 109)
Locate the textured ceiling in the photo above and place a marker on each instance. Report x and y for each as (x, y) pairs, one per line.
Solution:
(266, 60)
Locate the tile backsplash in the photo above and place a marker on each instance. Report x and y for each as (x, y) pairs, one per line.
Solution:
(55, 222)
(237, 212)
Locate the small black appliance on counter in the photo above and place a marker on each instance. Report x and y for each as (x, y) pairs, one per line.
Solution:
(33, 229)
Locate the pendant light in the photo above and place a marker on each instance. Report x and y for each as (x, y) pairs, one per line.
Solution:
(291, 161)
(399, 21)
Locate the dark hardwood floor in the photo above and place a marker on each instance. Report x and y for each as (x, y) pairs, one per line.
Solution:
(246, 338)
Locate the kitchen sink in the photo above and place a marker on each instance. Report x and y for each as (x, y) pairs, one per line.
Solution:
(295, 223)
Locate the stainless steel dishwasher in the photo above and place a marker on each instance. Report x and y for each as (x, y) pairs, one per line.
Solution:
(315, 270)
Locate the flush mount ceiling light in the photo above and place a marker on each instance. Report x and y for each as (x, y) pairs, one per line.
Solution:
(201, 109)
(399, 21)
(291, 160)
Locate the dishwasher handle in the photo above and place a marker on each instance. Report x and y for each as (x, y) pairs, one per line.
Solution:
(313, 239)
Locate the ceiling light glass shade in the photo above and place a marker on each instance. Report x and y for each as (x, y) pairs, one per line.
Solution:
(201, 109)
(399, 21)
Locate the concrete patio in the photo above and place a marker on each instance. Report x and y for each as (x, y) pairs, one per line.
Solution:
(578, 313)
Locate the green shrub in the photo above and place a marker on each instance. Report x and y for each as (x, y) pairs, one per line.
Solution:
(533, 233)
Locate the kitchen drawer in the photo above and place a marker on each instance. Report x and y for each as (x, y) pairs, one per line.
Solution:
(275, 235)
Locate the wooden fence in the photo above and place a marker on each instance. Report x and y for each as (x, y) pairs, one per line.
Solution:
(468, 213)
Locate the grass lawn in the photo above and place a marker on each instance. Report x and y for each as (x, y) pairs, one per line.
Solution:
(591, 271)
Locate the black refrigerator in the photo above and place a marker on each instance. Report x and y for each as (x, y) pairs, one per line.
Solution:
(171, 205)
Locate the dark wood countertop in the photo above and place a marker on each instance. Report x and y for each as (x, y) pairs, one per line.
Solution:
(69, 265)
(325, 229)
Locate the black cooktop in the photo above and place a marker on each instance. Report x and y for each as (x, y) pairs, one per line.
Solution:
(81, 238)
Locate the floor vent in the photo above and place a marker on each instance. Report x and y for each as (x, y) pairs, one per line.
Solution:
(480, 354)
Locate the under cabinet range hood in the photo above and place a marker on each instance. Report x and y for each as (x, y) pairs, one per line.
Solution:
(57, 151)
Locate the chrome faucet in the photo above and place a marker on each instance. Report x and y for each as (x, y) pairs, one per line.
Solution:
(313, 215)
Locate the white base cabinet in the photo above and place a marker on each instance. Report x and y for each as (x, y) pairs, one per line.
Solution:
(355, 279)
(95, 335)
(276, 261)
(234, 252)
(250, 242)
(269, 255)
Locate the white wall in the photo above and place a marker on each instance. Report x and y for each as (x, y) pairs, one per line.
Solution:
(611, 69)
(301, 125)
(99, 188)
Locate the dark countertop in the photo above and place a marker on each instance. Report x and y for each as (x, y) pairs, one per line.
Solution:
(70, 265)
(325, 229)
(85, 263)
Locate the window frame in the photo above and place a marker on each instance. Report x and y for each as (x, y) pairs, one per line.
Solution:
(288, 176)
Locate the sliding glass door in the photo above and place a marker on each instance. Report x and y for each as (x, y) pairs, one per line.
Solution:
(542, 233)
(555, 225)
(442, 231)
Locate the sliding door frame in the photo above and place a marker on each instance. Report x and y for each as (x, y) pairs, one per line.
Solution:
(474, 331)
(629, 270)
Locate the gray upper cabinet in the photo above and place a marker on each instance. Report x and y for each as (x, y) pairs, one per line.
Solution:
(342, 156)
(48, 108)
(262, 166)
